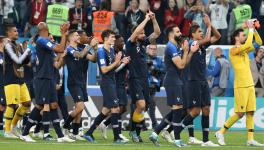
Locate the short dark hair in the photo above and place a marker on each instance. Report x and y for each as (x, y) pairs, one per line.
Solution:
(107, 33)
(8, 27)
(105, 5)
(117, 36)
(193, 29)
(169, 30)
(80, 32)
(235, 34)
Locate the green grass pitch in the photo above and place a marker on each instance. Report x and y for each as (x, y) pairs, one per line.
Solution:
(236, 140)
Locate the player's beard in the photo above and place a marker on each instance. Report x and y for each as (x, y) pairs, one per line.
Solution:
(177, 38)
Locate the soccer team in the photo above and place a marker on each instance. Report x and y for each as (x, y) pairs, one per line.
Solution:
(185, 82)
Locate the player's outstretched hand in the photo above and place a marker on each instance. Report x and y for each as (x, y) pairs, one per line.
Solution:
(185, 46)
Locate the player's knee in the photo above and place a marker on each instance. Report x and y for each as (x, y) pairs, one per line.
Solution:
(123, 109)
(27, 104)
(39, 107)
(105, 111)
(54, 105)
(115, 110)
(2, 108)
(240, 114)
(195, 112)
(141, 104)
(206, 110)
(250, 113)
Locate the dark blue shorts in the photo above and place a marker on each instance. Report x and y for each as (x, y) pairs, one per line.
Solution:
(2, 96)
(78, 93)
(45, 91)
(122, 95)
(198, 94)
(31, 90)
(139, 89)
(110, 99)
(174, 95)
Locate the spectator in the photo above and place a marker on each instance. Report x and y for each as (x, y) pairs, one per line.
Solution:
(175, 16)
(218, 11)
(258, 12)
(158, 8)
(57, 15)
(20, 6)
(156, 73)
(134, 16)
(78, 16)
(119, 7)
(102, 20)
(89, 10)
(7, 14)
(143, 5)
(36, 13)
(219, 74)
(257, 70)
(70, 3)
(238, 16)
(196, 14)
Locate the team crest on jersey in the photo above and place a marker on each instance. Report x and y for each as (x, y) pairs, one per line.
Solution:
(102, 61)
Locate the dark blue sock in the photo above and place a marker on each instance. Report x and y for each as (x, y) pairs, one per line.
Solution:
(176, 122)
(167, 119)
(115, 126)
(38, 127)
(107, 121)
(119, 124)
(46, 121)
(1, 120)
(170, 128)
(75, 127)
(25, 119)
(34, 118)
(56, 122)
(96, 122)
(67, 123)
(191, 129)
(139, 126)
(205, 127)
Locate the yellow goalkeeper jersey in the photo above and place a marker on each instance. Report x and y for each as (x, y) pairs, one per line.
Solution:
(240, 60)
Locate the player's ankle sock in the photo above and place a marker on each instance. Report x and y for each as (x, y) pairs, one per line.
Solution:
(176, 122)
(119, 124)
(1, 120)
(138, 128)
(38, 127)
(170, 128)
(8, 118)
(115, 126)
(205, 127)
(230, 121)
(33, 118)
(191, 129)
(164, 123)
(46, 121)
(75, 128)
(250, 126)
(56, 122)
(96, 122)
(67, 123)
(107, 121)
(19, 114)
(25, 119)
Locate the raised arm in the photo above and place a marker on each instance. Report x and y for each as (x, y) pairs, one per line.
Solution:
(13, 55)
(245, 47)
(139, 28)
(156, 27)
(59, 48)
(216, 35)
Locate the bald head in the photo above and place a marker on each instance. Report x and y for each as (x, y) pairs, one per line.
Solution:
(42, 26)
(218, 52)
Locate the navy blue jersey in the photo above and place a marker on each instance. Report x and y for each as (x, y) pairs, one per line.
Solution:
(138, 65)
(173, 74)
(121, 75)
(85, 63)
(74, 66)
(196, 70)
(44, 58)
(106, 58)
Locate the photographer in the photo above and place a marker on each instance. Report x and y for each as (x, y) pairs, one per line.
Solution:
(155, 77)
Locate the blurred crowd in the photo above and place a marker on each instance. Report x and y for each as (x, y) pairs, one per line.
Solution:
(123, 15)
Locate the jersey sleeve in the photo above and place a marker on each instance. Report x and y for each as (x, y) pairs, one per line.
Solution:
(173, 52)
(101, 58)
(46, 43)
(70, 50)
